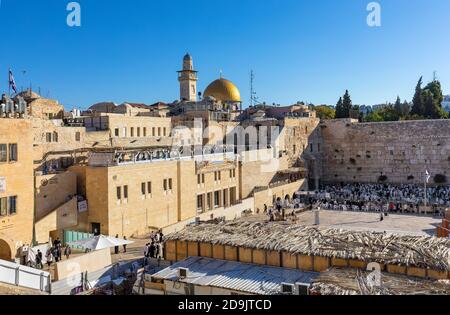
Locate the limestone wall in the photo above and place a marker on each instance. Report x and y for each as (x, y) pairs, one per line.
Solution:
(402, 151)
(61, 218)
(53, 191)
(16, 180)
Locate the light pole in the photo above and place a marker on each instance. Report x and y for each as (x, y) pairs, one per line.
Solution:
(427, 178)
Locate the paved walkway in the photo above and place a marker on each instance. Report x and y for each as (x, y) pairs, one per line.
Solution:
(361, 221)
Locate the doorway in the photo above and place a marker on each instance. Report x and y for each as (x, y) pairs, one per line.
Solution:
(95, 229)
(5, 251)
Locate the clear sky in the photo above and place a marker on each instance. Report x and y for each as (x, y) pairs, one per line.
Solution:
(300, 50)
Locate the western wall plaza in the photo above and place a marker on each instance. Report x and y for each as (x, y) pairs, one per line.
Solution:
(205, 190)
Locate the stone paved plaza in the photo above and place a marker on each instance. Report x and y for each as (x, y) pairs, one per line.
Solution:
(361, 221)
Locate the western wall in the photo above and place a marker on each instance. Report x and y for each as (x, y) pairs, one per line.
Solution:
(390, 152)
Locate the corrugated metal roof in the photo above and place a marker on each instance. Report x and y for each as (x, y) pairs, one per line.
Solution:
(235, 275)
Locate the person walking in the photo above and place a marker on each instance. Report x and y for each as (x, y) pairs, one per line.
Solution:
(125, 245)
(160, 251)
(116, 248)
(49, 257)
(152, 250)
(67, 252)
(39, 259)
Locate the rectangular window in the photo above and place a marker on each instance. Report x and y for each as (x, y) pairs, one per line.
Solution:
(200, 202)
(149, 187)
(3, 153)
(199, 179)
(165, 185)
(159, 131)
(143, 189)
(311, 147)
(209, 201)
(153, 132)
(216, 199)
(132, 132)
(55, 136)
(170, 183)
(3, 207)
(13, 152)
(138, 131)
(48, 137)
(164, 131)
(119, 193)
(116, 132)
(144, 132)
(12, 205)
(203, 178)
(125, 192)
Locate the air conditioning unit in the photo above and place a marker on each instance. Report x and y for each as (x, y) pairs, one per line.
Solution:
(287, 288)
(301, 288)
(183, 273)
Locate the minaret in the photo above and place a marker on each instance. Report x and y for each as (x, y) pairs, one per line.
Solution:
(188, 80)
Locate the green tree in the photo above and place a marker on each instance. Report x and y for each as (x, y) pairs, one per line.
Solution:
(418, 108)
(405, 109)
(374, 116)
(433, 98)
(346, 104)
(325, 112)
(389, 113)
(339, 109)
(398, 106)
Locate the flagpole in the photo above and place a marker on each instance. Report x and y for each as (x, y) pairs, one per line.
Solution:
(427, 177)
(9, 83)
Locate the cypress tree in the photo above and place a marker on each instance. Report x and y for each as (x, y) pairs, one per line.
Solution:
(398, 106)
(339, 109)
(418, 102)
(346, 104)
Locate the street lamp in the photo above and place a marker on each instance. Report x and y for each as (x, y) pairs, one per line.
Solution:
(427, 179)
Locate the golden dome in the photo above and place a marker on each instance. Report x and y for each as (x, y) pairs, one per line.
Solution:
(223, 90)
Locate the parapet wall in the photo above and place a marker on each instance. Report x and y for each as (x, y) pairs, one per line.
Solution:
(401, 151)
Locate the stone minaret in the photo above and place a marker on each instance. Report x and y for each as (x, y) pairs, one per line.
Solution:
(188, 80)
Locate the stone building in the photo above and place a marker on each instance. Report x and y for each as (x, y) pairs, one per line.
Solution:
(16, 185)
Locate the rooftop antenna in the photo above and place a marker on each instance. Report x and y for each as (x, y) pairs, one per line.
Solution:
(253, 98)
(221, 74)
(434, 76)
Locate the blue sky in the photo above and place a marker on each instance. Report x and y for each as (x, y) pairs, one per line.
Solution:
(300, 50)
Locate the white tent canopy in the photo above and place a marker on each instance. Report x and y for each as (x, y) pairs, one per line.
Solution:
(100, 242)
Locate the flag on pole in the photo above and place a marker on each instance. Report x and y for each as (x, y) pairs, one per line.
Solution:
(12, 82)
(427, 176)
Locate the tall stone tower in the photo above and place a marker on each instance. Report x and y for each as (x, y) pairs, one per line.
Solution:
(188, 80)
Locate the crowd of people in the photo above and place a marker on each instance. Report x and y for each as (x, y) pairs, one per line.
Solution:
(53, 254)
(363, 198)
(380, 198)
(154, 249)
(412, 194)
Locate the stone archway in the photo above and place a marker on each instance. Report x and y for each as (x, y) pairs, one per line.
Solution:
(5, 251)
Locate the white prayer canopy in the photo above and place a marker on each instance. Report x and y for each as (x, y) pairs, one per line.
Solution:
(100, 242)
